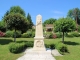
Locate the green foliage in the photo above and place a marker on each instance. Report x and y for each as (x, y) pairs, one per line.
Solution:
(51, 46)
(28, 34)
(64, 24)
(30, 21)
(75, 34)
(17, 9)
(48, 35)
(69, 35)
(9, 34)
(49, 21)
(18, 34)
(17, 22)
(79, 28)
(2, 26)
(59, 35)
(62, 48)
(75, 14)
(17, 47)
(29, 43)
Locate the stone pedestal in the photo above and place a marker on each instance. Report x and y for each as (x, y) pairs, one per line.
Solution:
(39, 44)
(39, 39)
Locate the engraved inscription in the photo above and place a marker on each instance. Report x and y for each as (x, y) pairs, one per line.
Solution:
(39, 43)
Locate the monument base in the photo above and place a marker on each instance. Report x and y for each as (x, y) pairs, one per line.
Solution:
(39, 44)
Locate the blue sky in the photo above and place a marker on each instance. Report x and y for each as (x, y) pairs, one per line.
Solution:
(47, 8)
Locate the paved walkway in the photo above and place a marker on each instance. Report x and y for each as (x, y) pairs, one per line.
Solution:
(37, 55)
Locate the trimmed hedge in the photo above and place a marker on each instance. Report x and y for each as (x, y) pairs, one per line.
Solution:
(17, 47)
(51, 46)
(62, 48)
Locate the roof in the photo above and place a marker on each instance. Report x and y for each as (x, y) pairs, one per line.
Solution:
(49, 26)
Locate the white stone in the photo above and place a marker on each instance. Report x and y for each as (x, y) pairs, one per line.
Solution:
(37, 55)
(39, 39)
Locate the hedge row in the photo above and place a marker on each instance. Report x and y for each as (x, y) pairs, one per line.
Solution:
(20, 46)
(28, 34)
(59, 35)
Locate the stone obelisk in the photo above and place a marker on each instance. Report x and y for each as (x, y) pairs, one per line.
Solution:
(39, 39)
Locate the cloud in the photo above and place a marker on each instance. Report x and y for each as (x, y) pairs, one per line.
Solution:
(57, 12)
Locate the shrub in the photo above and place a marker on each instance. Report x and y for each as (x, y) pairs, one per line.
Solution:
(47, 45)
(50, 35)
(62, 48)
(69, 35)
(9, 34)
(59, 35)
(78, 28)
(18, 34)
(17, 47)
(51, 46)
(28, 34)
(2, 34)
(75, 34)
(54, 36)
(29, 44)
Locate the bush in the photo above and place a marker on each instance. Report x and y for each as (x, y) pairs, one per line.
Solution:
(9, 34)
(51, 46)
(2, 34)
(78, 28)
(69, 35)
(17, 47)
(54, 36)
(47, 45)
(30, 43)
(75, 34)
(28, 34)
(62, 48)
(50, 35)
(18, 34)
(59, 35)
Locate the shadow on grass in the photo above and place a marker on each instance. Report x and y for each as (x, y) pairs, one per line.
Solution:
(24, 41)
(71, 43)
(5, 41)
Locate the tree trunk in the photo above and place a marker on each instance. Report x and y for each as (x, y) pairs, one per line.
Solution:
(63, 37)
(15, 36)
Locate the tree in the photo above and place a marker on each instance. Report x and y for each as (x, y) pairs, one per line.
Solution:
(75, 14)
(17, 22)
(2, 26)
(7, 13)
(49, 21)
(14, 9)
(30, 21)
(17, 9)
(64, 25)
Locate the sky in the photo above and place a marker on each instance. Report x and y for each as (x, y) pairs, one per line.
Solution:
(47, 8)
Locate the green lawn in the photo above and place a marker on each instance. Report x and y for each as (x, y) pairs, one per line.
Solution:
(72, 43)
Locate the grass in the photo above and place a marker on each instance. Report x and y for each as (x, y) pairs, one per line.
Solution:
(72, 43)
